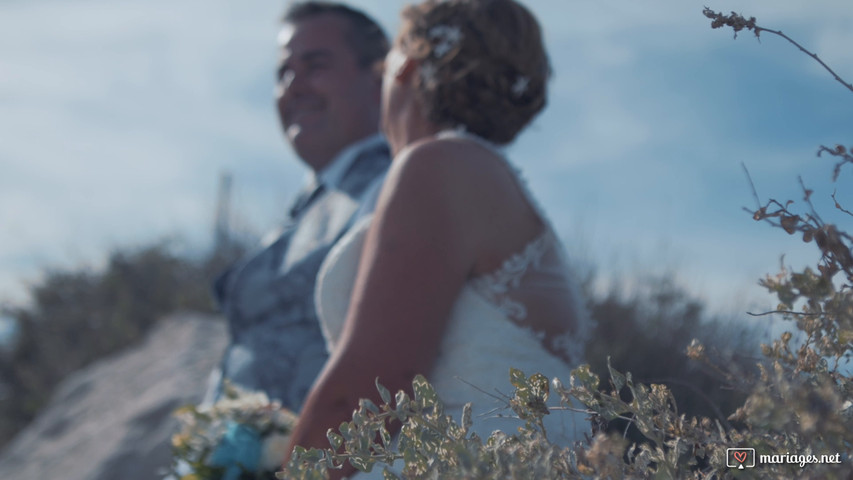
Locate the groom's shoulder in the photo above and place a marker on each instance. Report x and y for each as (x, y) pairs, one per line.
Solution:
(367, 167)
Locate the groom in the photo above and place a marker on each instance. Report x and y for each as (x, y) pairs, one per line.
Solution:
(328, 91)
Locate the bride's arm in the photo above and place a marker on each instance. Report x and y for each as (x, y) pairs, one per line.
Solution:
(417, 255)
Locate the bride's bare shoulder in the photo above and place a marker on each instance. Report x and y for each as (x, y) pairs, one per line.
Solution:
(445, 162)
(439, 185)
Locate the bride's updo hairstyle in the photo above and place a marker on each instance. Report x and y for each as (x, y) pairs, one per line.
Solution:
(483, 64)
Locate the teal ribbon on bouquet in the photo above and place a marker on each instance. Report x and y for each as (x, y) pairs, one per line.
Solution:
(238, 451)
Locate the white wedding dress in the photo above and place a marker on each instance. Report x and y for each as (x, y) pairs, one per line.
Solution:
(488, 332)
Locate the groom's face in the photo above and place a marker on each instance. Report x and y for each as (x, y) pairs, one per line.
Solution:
(326, 100)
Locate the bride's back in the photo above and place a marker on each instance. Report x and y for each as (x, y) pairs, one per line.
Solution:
(522, 310)
(520, 265)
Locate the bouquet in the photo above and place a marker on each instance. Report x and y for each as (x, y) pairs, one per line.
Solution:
(243, 436)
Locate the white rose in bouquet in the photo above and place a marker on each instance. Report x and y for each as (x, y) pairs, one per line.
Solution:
(273, 451)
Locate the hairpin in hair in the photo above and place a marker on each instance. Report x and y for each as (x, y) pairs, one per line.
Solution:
(520, 85)
(445, 37)
(428, 71)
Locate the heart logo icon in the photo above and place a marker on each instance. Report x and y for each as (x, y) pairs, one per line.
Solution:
(740, 456)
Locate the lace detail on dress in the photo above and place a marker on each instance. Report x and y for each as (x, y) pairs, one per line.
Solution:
(570, 345)
(496, 286)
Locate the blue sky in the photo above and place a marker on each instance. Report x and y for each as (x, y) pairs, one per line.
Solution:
(117, 118)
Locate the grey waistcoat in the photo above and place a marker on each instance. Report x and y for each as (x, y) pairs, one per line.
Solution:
(276, 345)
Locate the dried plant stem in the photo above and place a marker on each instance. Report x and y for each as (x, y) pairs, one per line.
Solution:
(807, 52)
(789, 312)
(738, 22)
(838, 205)
(751, 186)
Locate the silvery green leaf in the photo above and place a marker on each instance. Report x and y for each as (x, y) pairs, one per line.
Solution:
(617, 378)
(385, 436)
(424, 393)
(383, 392)
(364, 464)
(466, 417)
(517, 378)
(346, 431)
(402, 401)
(539, 385)
(334, 439)
(388, 475)
(368, 405)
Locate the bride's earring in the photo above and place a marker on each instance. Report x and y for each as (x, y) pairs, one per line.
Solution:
(395, 62)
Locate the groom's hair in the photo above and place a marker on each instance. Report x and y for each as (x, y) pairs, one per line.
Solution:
(365, 36)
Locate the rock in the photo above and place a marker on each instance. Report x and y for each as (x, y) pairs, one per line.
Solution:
(113, 420)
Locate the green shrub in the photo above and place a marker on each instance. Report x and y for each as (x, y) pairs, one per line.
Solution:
(648, 333)
(79, 316)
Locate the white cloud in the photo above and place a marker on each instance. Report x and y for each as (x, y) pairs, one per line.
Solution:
(833, 47)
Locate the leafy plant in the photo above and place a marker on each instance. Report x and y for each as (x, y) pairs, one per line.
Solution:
(433, 445)
(79, 316)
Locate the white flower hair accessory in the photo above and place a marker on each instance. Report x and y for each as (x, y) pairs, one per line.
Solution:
(445, 37)
(428, 71)
(520, 85)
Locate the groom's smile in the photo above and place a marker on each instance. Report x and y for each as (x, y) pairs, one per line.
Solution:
(302, 114)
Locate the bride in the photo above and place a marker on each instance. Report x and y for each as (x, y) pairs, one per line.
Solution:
(458, 274)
